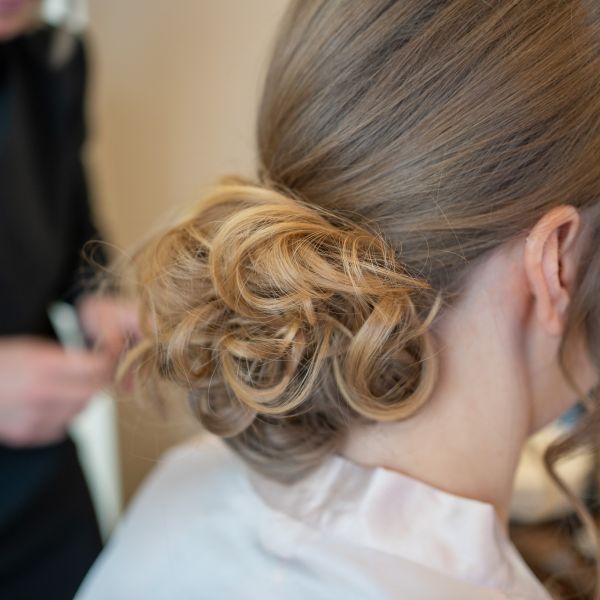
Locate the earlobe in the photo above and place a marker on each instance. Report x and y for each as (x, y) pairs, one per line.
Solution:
(550, 264)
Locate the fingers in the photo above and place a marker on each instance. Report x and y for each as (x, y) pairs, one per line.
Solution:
(111, 322)
(81, 368)
(38, 424)
(43, 387)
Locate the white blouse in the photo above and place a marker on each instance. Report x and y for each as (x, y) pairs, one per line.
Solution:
(202, 527)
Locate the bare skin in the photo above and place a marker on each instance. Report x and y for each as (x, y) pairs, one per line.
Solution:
(500, 378)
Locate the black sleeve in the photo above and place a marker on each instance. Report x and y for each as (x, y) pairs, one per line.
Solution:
(88, 253)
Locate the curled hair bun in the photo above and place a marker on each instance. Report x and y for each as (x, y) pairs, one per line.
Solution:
(284, 322)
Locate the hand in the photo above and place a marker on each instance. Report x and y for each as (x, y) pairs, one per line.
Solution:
(110, 322)
(42, 387)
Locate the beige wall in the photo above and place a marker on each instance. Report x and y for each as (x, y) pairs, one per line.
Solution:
(173, 99)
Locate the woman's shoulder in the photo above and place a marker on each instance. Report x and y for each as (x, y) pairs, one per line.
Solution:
(187, 478)
(181, 512)
(187, 466)
(198, 529)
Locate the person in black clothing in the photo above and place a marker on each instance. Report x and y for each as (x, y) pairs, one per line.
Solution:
(48, 532)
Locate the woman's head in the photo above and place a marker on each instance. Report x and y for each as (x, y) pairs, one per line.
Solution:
(401, 145)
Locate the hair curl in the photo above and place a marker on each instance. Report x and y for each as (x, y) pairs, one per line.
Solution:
(285, 322)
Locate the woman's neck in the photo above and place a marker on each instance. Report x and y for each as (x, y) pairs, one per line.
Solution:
(468, 437)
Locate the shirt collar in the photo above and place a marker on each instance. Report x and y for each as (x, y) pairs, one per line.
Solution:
(396, 514)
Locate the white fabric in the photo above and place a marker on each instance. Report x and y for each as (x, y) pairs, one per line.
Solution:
(202, 528)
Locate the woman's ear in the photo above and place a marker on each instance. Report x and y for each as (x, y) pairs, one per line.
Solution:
(550, 264)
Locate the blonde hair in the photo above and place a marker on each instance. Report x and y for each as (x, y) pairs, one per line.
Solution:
(399, 143)
(294, 323)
